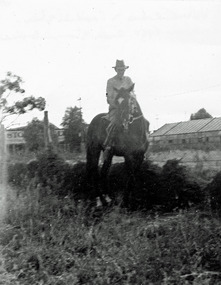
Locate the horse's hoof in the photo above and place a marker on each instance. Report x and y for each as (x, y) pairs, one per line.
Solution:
(98, 202)
(107, 199)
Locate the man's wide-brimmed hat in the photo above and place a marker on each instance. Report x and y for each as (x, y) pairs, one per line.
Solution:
(120, 65)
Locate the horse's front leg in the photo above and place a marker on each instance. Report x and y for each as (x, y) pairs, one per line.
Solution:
(92, 172)
(108, 155)
(132, 164)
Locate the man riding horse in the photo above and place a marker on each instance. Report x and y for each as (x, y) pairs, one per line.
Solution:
(114, 84)
(121, 132)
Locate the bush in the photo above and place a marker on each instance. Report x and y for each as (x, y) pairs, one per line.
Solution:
(213, 190)
(138, 195)
(74, 181)
(53, 174)
(49, 166)
(177, 188)
(48, 170)
(168, 188)
(16, 174)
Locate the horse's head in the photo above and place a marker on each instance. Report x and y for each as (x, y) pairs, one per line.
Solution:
(128, 107)
(123, 93)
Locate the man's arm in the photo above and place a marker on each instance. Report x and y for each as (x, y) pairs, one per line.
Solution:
(110, 93)
(130, 82)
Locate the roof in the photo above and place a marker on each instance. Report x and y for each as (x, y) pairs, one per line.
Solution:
(16, 129)
(193, 126)
(164, 129)
(23, 127)
(214, 125)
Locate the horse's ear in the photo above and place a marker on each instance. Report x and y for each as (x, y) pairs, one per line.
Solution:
(131, 88)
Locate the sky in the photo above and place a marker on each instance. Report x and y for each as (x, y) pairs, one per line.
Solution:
(65, 50)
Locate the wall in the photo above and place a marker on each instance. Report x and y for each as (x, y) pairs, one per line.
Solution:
(192, 158)
(210, 140)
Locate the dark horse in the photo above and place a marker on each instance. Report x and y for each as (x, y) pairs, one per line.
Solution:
(130, 141)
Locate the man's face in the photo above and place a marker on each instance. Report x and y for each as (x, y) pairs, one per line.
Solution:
(120, 72)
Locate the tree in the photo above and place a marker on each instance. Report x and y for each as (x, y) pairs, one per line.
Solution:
(10, 86)
(73, 126)
(201, 114)
(34, 135)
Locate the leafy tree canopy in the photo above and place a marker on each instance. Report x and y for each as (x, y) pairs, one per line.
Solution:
(12, 85)
(34, 135)
(201, 114)
(73, 127)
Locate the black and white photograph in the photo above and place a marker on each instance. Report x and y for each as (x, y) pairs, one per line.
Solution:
(110, 142)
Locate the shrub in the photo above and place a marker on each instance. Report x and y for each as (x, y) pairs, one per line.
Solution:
(213, 190)
(74, 181)
(137, 195)
(16, 174)
(49, 166)
(167, 188)
(177, 188)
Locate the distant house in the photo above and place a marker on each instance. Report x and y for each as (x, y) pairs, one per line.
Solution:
(203, 133)
(15, 141)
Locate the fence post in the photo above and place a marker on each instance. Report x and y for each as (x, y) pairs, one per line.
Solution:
(2, 171)
(2, 154)
(47, 133)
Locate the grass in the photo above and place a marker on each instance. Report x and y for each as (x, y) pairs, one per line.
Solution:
(47, 240)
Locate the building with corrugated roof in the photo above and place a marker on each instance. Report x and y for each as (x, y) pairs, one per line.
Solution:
(190, 134)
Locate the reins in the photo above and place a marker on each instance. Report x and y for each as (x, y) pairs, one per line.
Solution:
(132, 119)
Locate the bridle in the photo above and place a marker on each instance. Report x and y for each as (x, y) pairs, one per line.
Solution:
(130, 114)
(132, 118)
